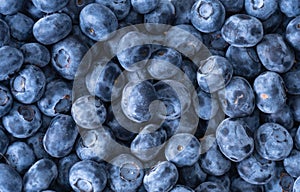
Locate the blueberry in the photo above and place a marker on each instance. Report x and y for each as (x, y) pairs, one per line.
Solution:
(237, 99)
(183, 149)
(4, 33)
(238, 185)
(181, 188)
(64, 165)
(207, 15)
(242, 30)
(125, 173)
(162, 177)
(49, 6)
(56, 99)
(136, 99)
(191, 175)
(270, 93)
(60, 136)
(67, 55)
(210, 186)
(214, 41)
(76, 31)
(256, 170)
(286, 182)
(233, 5)
(273, 22)
(245, 61)
(120, 8)
(274, 54)
(22, 121)
(297, 139)
(296, 186)
(20, 156)
(32, 11)
(10, 7)
(214, 162)
(97, 21)
(183, 14)
(291, 79)
(223, 180)
(164, 8)
(4, 142)
(87, 176)
(95, 144)
(40, 175)
(294, 103)
(252, 121)
(148, 143)
(133, 18)
(291, 163)
(214, 73)
(10, 180)
(144, 6)
(28, 85)
(11, 60)
(190, 70)
(36, 54)
(6, 100)
(290, 8)
(36, 143)
(74, 7)
(261, 9)
(293, 32)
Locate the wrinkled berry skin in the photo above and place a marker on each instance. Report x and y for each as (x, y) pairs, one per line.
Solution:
(49, 6)
(97, 21)
(292, 33)
(242, 30)
(270, 92)
(275, 54)
(60, 136)
(87, 175)
(207, 16)
(11, 60)
(10, 180)
(36, 54)
(67, 55)
(162, 177)
(6, 100)
(40, 175)
(10, 7)
(28, 85)
(58, 26)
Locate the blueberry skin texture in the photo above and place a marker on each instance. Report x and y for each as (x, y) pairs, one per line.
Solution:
(36, 54)
(4, 33)
(256, 170)
(237, 99)
(238, 185)
(64, 165)
(290, 8)
(291, 79)
(297, 139)
(60, 136)
(270, 92)
(148, 143)
(120, 8)
(10, 7)
(214, 162)
(214, 73)
(183, 149)
(245, 61)
(162, 177)
(56, 99)
(223, 180)
(207, 106)
(291, 163)
(67, 55)
(20, 156)
(181, 188)
(49, 6)
(275, 54)
(32, 11)
(283, 117)
(273, 141)
(74, 7)
(183, 14)
(242, 30)
(296, 186)
(191, 175)
(20, 26)
(36, 143)
(125, 173)
(261, 9)
(10, 180)
(4, 142)
(6, 100)
(22, 121)
(11, 60)
(214, 41)
(40, 175)
(97, 21)
(87, 175)
(233, 5)
(208, 16)
(273, 22)
(144, 6)
(233, 139)
(136, 99)
(294, 103)
(210, 186)
(58, 26)
(28, 85)
(292, 33)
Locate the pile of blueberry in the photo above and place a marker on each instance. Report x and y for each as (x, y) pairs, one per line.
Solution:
(150, 95)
